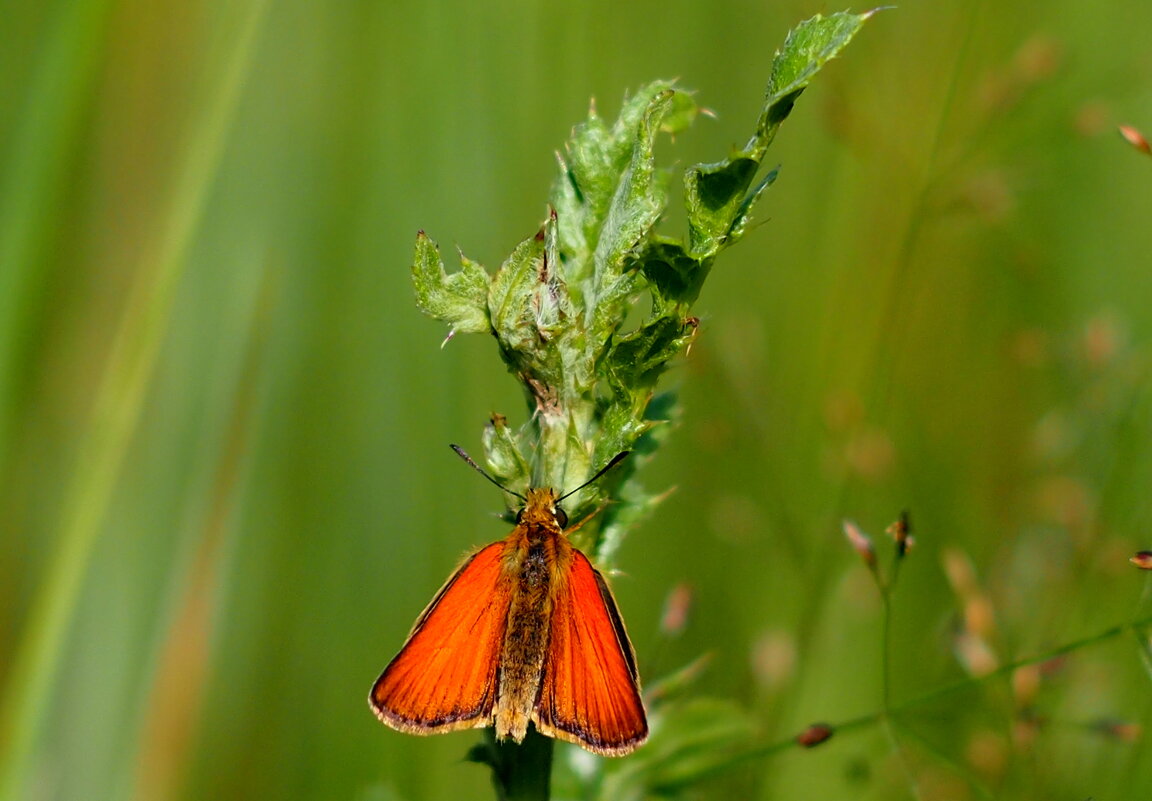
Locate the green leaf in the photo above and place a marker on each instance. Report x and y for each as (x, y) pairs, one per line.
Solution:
(594, 165)
(717, 195)
(609, 193)
(713, 193)
(636, 360)
(638, 199)
(459, 299)
(674, 277)
(530, 310)
(744, 213)
(505, 462)
(511, 293)
(808, 47)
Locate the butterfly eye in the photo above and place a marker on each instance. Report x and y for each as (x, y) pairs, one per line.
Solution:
(519, 516)
(561, 517)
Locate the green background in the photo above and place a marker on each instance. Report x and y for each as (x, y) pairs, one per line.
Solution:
(225, 491)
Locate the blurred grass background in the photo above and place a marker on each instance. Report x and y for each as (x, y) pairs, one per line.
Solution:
(224, 487)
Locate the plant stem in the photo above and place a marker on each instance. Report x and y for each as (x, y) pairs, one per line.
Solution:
(521, 771)
(760, 752)
(886, 720)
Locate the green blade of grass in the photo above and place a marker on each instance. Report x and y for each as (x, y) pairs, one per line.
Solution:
(33, 179)
(115, 414)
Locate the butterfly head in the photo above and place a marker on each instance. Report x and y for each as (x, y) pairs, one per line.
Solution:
(542, 508)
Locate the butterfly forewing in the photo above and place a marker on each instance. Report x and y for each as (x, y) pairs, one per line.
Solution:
(445, 676)
(590, 693)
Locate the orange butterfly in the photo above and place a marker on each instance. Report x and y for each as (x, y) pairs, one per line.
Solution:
(524, 630)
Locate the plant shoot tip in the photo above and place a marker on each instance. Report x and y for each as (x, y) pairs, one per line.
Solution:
(1142, 560)
(1135, 138)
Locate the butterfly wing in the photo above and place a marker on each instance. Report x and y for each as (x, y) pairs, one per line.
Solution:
(590, 690)
(445, 676)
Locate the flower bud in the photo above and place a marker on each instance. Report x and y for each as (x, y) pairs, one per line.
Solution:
(1142, 560)
(1136, 139)
(861, 542)
(814, 735)
(901, 532)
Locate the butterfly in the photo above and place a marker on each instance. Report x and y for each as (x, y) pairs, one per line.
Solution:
(525, 631)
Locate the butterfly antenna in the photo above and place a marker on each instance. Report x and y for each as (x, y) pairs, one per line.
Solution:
(617, 459)
(460, 452)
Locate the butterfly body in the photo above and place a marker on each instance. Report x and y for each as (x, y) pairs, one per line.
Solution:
(533, 559)
(526, 630)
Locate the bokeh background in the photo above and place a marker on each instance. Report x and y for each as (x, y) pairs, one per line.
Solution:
(225, 490)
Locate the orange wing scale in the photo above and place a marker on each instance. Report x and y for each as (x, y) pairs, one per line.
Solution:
(445, 676)
(590, 691)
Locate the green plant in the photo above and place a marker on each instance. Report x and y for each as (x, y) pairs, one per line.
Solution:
(559, 304)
